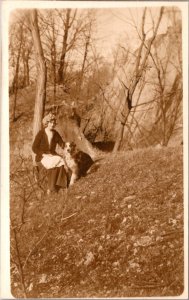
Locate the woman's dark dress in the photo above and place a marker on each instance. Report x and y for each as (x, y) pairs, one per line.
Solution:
(57, 177)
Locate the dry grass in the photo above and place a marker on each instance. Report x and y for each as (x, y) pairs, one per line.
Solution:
(124, 237)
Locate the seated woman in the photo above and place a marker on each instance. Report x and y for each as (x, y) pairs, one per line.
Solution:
(44, 146)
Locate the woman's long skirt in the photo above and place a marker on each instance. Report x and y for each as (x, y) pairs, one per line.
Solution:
(51, 179)
(57, 178)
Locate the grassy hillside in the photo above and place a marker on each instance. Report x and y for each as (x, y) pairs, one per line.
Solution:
(118, 232)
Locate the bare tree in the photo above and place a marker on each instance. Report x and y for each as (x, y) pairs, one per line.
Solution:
(26, 52)
(168, 89)
(49, 37)
(41, 73)
(87, 37)
(20, 47)
(140, 64)
(53, 58)
(67, 23)
(15, 83)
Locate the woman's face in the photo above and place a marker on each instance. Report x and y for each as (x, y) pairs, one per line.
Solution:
(51, 125)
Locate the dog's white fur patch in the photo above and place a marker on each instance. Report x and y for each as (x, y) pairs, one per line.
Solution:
(70, 162)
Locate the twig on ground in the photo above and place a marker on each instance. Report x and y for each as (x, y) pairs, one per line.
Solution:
(172, 232)
(63, 219)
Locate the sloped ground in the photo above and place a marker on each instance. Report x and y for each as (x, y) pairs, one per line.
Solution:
(118, 232)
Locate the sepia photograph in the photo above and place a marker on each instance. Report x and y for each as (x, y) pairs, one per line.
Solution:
(95, 111)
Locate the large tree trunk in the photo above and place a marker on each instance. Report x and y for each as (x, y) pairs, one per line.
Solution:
(41, 74)
(71, 131)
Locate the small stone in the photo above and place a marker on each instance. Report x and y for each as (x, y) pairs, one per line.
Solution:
(115, 264)
(91, 221)
(100, 248)
(159, 238)
(129, 198)
(89, 258)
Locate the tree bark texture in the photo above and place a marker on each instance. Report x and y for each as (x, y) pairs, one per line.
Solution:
(41, 72)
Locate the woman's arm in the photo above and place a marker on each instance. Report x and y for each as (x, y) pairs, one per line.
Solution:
(36, 144)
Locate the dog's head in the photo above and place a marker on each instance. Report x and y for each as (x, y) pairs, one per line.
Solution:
(70, 147)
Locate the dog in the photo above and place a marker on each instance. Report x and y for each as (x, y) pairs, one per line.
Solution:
(77, 162)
